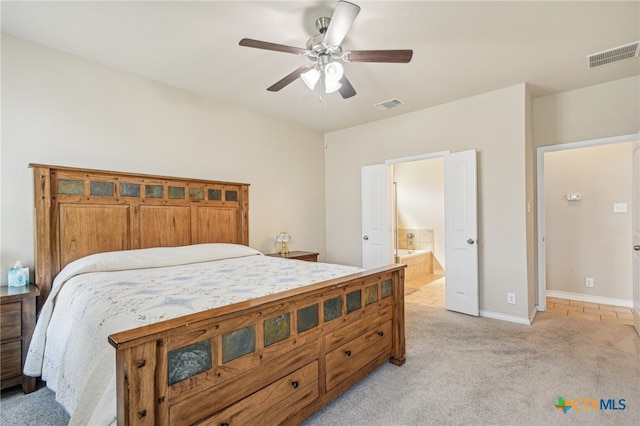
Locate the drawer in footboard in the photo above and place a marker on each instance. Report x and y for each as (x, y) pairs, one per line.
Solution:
(216, 399)
(356, 354)
(275, 403)
(373, 318)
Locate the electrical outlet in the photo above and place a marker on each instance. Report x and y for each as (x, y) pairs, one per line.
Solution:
(511, 298)
(619, 207)
(588, 282)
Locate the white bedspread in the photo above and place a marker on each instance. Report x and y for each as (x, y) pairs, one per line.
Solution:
(99, 295)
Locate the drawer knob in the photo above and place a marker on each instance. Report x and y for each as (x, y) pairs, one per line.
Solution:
(348, 353)
(294, 384)
(380, 333)
(224, 424)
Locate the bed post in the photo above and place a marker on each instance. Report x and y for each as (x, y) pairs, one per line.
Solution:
(135, 385)
(399, 349)
(44, 252)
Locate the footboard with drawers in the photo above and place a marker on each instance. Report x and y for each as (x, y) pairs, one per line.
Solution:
(273, 360)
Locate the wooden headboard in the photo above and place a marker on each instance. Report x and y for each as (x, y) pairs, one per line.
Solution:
(79, 212)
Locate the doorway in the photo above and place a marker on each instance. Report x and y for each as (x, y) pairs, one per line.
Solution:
(460, 209)
(418, 227)
(575, 210)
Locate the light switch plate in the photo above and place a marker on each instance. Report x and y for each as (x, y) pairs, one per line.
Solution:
(619, 207)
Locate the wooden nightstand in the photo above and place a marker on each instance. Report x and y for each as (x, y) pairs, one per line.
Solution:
(17, 320)
(308, 256)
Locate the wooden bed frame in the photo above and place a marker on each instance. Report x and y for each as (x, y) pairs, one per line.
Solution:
(272, 360)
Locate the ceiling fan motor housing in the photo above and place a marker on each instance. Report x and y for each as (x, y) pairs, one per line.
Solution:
(316, 47)
(322, 24)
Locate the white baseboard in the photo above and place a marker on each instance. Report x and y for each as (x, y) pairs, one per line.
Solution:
(505, 317)
(627, 303)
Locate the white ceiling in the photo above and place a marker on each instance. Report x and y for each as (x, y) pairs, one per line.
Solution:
(460, 49)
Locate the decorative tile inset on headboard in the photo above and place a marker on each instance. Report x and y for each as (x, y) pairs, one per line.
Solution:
(70, 187)
(154, 191)
(129, 189)
(104, 189)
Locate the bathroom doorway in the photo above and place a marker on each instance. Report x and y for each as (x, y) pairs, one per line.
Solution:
(418, 219)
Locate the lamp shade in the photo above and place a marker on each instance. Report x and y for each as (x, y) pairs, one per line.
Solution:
(333, 71)
(331, 86)
(283, 237)
(310, 77)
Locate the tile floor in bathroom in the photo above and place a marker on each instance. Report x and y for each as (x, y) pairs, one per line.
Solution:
(431, 293)
(427, 293)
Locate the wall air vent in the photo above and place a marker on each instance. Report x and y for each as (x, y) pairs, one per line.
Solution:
(389, 104)
(616, 54)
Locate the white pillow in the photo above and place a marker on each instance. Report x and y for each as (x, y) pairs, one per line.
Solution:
(156, 257)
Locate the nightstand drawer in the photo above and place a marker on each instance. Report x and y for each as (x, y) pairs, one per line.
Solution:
(307, 256)
(312, 257)
(17, 320)
(10, 359)
(11, 320)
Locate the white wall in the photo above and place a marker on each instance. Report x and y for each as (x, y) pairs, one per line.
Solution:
(600, 111)
(64, 110)
(586, 238)
(530, 173)
(494, 125)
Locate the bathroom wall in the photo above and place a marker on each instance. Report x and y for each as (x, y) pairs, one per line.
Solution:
(415, 239)
(420, 197)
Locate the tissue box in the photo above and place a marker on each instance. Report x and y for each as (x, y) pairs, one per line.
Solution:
(18, 277)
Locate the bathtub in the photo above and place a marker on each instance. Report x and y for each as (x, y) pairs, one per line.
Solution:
(402, 253)
(419, 264)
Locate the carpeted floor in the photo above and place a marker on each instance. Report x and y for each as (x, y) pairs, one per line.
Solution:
(35, 409)
(463, 370)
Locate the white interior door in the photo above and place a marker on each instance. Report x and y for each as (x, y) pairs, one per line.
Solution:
(635, 202)
(376, 227)
(461, 232)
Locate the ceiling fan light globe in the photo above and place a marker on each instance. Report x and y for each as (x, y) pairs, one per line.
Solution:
(310, 78)
(333, 71)
(331, 86)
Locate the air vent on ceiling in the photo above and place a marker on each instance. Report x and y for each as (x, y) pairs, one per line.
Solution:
(616, 54)
(389, 104)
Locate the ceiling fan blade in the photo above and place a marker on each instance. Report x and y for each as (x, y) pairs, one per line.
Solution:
(248, 42)
(395, 56)
(341, 20)
(346, 89)
(288, 79)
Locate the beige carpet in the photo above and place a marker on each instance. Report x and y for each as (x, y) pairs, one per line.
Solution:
(465, 370)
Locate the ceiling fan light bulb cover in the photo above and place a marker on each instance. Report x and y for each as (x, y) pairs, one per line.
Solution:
(331, 86)
(333, 71)
(310, 78)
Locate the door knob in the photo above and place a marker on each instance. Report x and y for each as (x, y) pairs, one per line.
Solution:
(636, 248)
(366, 237)
(470, 241)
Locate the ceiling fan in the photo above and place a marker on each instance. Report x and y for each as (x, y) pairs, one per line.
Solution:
(325, 52)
